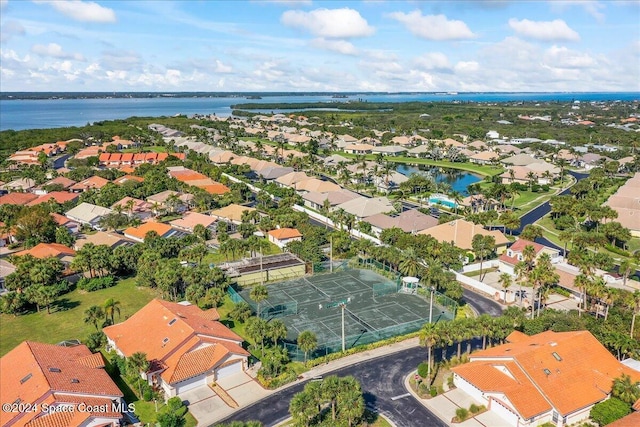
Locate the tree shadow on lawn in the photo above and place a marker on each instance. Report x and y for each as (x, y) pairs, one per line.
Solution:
(64, 304)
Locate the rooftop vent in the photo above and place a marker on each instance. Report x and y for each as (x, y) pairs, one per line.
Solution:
(75, 380)
(166, 340)
(54, 370)
(557, 356)
(174, 320)
(25, 379)
(547, 372)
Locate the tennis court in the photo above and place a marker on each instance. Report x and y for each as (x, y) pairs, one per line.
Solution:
(373, 308)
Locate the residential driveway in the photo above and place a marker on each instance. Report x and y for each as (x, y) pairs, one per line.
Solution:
(202, 403)
(243, 389)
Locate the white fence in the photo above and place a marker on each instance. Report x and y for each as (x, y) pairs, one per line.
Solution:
(476, 266)
(475, 284)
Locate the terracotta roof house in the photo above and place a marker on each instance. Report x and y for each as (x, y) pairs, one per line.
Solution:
(631, 420)
(316, 185)
(513, 255)
(88, 214)
(450, 142)
(551, 377)
(17, 198)
(138, 233)
(190, 219)
(316, 200)
(62, 181)
(95, 182)
(186, 346)
(46, 250)
(363, 207)
(389, 150)
(520, 160)
(63, 221)
(272, 172)
(292, 178)
(59, 377)
(410, 221)
(60, 197)
(626, 201)
(185, 200)
(460, 232)
(283, 236)
(222, 157)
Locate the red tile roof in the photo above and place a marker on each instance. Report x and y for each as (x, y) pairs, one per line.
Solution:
(17, 198)
(141, 231)
(284, 233)
(92, 182)
(45, 250)
(568, 370)
(57, 196)
(520, 244)
(33, 370)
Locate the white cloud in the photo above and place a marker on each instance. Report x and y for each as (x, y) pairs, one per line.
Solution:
(561, 57)
(329, 23)
(222, 68)
(341, 46)
(54, 50)
(3, 3)
(433, 27)
(466, 67)
(555, 30)
(10, 29)
(592, 7)
(83, 11)
(433, 61)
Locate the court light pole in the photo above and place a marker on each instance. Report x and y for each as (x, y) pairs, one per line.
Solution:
(431, 304)
(343, 305)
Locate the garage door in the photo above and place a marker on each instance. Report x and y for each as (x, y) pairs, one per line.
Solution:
(499, 409)
(190, 384)
(231, 369)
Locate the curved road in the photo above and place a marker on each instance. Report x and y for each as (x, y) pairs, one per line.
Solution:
(382, 381)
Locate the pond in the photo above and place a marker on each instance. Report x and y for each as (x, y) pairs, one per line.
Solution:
(458, 180)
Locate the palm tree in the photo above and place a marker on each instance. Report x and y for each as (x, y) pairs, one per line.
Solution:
(428, 337)
(505, 281)
(350, 400)
(625, 389)
(633, 302)
(111, 306)
(531, 177)
(258, 294)
(94, 315)
(303, 408)
(307, 341)
(137, 363)
(411, 264)
(277, 330)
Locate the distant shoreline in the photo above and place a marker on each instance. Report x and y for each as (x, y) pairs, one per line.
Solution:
(7, 96)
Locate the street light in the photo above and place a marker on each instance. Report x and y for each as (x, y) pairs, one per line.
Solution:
(433, 289)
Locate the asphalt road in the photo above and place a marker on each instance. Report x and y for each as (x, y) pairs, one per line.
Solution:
(382, 381)
(59, 162)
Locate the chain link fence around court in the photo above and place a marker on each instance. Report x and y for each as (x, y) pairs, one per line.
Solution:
(374, 309)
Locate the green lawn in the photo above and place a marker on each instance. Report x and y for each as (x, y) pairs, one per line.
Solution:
(66, 319)
(153, 149)
(217, 257)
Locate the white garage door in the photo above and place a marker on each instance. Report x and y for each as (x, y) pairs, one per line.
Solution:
(502, 411)
(190, 384)
(231, 369)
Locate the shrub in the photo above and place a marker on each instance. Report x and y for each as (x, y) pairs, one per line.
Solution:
(96, 283)
(462, 414)
(423, 370)
(609, 411)
(433, 391)
(450, 381)
(474, 409)
(147, 395)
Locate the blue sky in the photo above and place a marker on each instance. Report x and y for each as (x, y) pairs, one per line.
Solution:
(480, 45)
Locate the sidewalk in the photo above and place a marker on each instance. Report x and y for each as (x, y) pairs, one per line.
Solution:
(321, 370)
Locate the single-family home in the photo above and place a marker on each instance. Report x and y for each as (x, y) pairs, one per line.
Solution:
(460, 233)
(291, 179)
(626, 202)
(95, 182)
(316, 185)
(60, 197)
(187, 347)
(70, 380)
(484, 157)
(88, 214)
(20, 199)
(547, 378)
(21, 184)
(63, 221)
(60, 183)
(363, 207)
(358, 149)
(134, 208)
(231, 214)
(410, 221)
(171, 200)
(389, 150)
(191, 219)
(128, 178)
(514, 254)
(113, 240)
(139, 233)
(283, 236)
(316, 200)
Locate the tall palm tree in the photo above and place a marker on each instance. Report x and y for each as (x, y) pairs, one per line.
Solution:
(625, 389)
(531, 177)
(94, 315)
(505, 281)
(136, 364)
(428, 338)
(277, 330)
(633, 302)
(411, 264)
(111, 306)
(307, 341)
(258, 294)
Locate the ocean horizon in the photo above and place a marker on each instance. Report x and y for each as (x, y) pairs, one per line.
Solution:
(39, 110)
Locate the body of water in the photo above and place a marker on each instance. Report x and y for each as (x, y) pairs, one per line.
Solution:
(21, 114)
(458, 180)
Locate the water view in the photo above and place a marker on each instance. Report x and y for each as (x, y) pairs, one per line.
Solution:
(457, 179)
